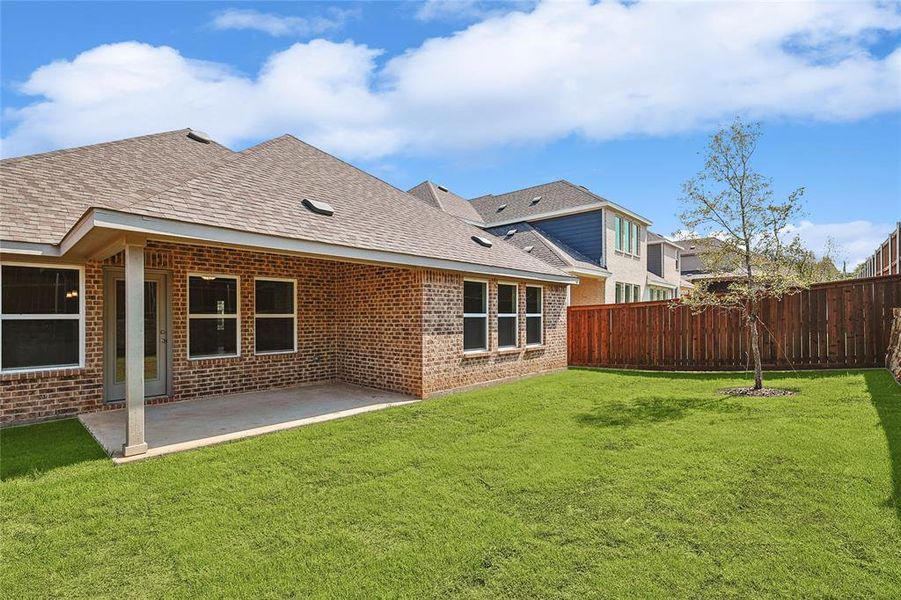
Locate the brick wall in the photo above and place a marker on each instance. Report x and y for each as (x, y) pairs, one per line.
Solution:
(389, 328)
(48, 394)
(380, 327)
(589, 291)
(445, 367)
(314, 360)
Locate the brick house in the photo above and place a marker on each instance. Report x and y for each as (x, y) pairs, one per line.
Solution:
(168, 267)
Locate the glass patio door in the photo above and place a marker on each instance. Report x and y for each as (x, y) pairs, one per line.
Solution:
(155, 350)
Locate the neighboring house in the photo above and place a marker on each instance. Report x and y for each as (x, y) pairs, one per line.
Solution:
(887, 258)
(585, 235)
(200, 271)
(664, 269)
(693, 268)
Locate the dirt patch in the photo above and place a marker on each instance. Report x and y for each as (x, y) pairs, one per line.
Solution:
(749, 391)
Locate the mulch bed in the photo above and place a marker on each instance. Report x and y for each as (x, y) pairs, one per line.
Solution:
(749, 391)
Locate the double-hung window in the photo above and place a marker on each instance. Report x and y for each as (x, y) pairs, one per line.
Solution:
(627, 292)
(275, 323)
(41, 317)
(475, 316)
(212, 316)
(507, 316)
(627, 236)
(534, 315)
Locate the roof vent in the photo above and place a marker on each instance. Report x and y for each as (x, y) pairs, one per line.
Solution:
(320, 208)
(529, 248)
(501, 207)
(535, 201)
(481, 241)
(510, 232)
(583, 187)
(442, 188)
(199, 136)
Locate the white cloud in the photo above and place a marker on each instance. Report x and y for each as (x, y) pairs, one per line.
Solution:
(856, 240)
(599, 71)
(281, 25)
(468, 10)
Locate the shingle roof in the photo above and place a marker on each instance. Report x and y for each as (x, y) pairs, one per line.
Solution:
(657, 280)
(538, 200)
(261, 190)
(43, 195)
(440, 197)
(554, 196)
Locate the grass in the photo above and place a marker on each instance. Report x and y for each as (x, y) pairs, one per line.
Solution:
(578, 484)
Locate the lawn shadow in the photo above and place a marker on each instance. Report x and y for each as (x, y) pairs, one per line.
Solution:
(654, 409)
(886, 397)
(770, 378)
(32, 450)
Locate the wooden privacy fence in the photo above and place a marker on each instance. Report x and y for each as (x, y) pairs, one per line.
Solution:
(838, 324)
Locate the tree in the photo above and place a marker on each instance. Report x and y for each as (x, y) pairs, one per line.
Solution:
(754, 252)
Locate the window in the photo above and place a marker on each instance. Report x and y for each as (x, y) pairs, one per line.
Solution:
(627, 236)
(275, 321)
(659, 294)
(41, 317)
(627, 292)
(475, 316)
(534, 319)
(507, 316)
(212, 316)
(618, 233)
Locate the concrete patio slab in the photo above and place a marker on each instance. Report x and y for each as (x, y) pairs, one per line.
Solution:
(194, 423)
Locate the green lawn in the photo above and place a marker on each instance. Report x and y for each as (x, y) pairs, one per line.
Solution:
(578, 484)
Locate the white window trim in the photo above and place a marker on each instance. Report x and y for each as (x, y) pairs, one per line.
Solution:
(466, 315)
(540, 315)
(627, 225)
(515, 314)
(236, 315)
(42, 317)
(257, 315)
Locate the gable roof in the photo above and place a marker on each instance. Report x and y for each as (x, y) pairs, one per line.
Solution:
(43, 195)
(258, 191)
(440, 197)
(655, 238)
(554, 198)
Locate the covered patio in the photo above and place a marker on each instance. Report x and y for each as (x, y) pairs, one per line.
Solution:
(194, 423)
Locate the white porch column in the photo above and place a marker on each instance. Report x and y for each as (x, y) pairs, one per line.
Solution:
(134, 350)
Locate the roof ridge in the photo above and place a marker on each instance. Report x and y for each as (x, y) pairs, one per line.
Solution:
(520, 189)
(584, 189)
(430, 185)
(378, 179)
(60, 151)
(195, 174)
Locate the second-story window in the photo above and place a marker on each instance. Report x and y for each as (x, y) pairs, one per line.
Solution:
(627, 236)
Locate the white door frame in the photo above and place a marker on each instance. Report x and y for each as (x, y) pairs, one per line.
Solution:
(113, 391)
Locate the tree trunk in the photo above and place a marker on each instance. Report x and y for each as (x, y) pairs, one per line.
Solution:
(755, 352)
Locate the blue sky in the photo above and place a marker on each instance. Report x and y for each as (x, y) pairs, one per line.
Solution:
(485, 98)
